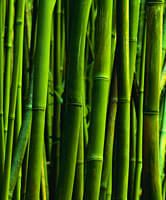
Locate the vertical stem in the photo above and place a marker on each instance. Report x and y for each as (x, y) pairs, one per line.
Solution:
(134, 7)
(8, 65)
(123, 111)
(74, 96)
(57, 104)
(78, 189)
(106, 178)
(18, 53)
(139, 139)
(151, 173)
(132, 164)
(41, 69)
(2, 146)
(102, 73)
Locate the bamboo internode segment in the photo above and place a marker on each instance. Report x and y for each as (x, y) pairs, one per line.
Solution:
(82, 99)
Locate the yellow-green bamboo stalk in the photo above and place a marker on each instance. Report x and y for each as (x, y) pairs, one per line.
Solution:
(106, 178)
(8, 65)
(78, 188)
(101, 81)
(18, 49)
(41, 69)
(74, 95)
(151, 174)
(2, 146)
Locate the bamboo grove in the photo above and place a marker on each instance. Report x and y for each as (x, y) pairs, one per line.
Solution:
(82, 99)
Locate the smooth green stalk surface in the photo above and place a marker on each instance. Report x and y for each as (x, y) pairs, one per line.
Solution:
(123, 110)
(40, 85)
(151, 174)
(74, 96)
(101, 81)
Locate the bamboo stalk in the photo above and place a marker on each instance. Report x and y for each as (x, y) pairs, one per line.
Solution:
(163, 141)
(106, 178)
(151, 174)
(8, 65)
(114, 34)
(44, 179)
(39, 98)
(57, 104)
(18, 45)
(134, 7)
(140, 40)
(132, 164)
(139, 139)
(22, 142)
(74, 96)
(78, 188)
(123, 111)
(101, 81)
(2, 146)
(49, 117)
(164, 38)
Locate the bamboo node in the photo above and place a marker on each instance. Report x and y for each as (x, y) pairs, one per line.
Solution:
(94, 158)
(154, 3)
(77, 104)
(80, 162)
(28, 107)
(133, 40)
(151, 112)
(19, 21)
(141, 91)
(101, 77)
(19, 86)
(114, 100)
(12, 117)
(9, 45)
(123, 100)
(39, 108)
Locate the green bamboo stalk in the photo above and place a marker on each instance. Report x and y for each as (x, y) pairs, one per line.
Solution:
(22, 142)
(49, 117)
(39, 98)
(2, 146)
(113, 40)
(57, 104)
(106, 178)
(28, 21)
(8, 65)
(17, 127)
(139, 146)
(25, 172)
(26, 68)
(151, 173)
(18, 49)
(132, 164)
(140, 39)
(89, 73)
(74, 96)
(44, 179)
(123, 111)
(164, 39)
(101, 82)
(164, 188)
(134, 7)
(18, 121)
(78, 188)
(63, 37)
(163, 79)
(161, 108)
(163, 141)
